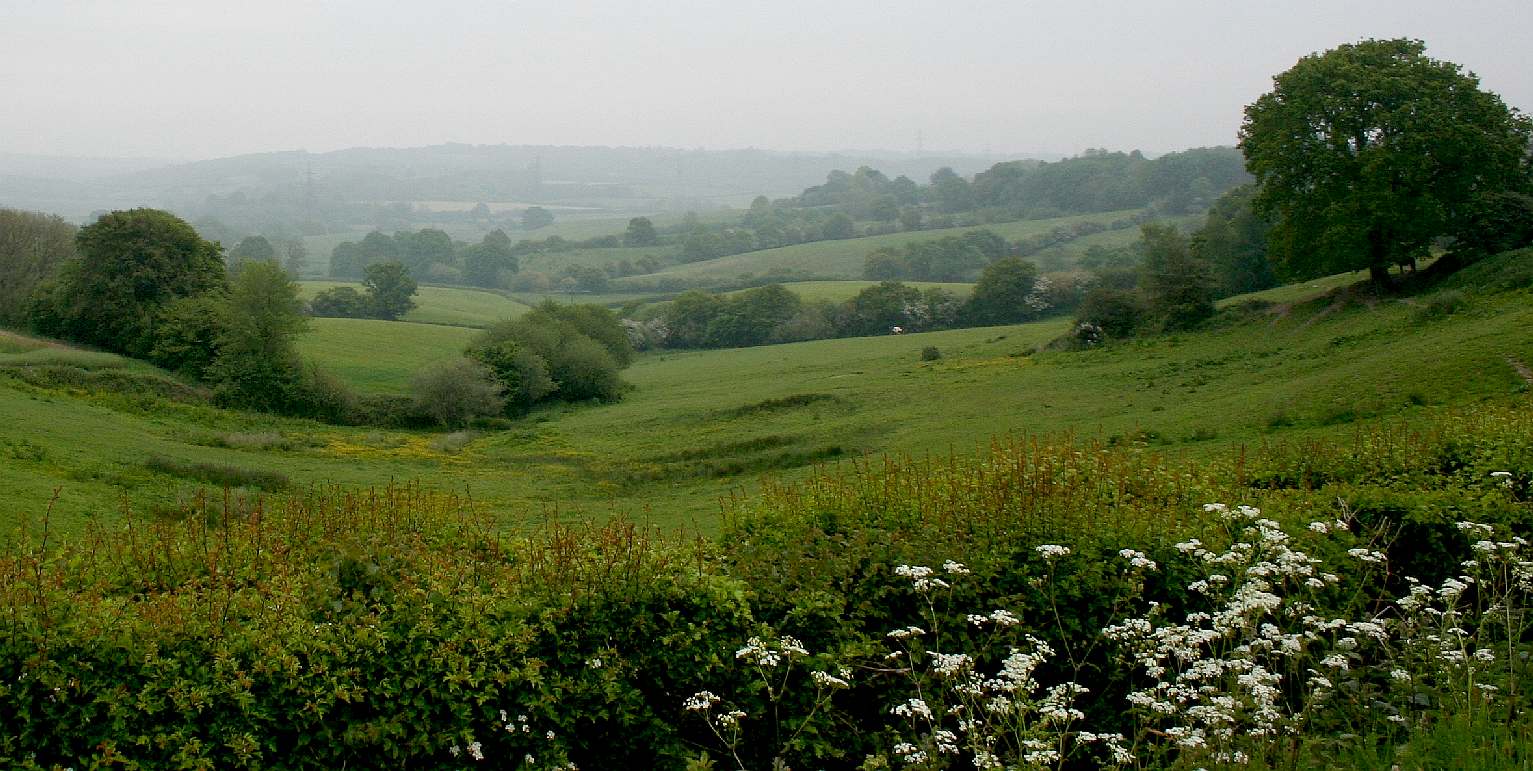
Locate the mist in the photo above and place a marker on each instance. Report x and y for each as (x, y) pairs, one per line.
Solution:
(190, 80)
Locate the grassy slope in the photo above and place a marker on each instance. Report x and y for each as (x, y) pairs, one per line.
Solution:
(454, 306)
(837, 291)
(699, 425)
(845, 258)
(379, 356)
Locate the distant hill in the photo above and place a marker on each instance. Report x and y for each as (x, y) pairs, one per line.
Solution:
(622, 178)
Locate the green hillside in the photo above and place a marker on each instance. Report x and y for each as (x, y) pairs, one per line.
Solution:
(844, 258)
(696, 426)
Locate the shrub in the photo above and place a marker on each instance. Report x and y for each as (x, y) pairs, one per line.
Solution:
(342, 302)
(453, 394)
(218, 474)
(1444, 304)
(1117, 313)
(930, 353)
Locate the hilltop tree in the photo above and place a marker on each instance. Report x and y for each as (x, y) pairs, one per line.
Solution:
(131, 264)
(1366, 153)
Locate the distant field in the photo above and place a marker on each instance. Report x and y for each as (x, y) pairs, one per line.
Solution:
(455, 306)
(380, 356)
(837, 291)
(842, 258)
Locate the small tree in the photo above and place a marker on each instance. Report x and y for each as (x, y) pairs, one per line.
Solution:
(32, 247)
(641, 232)
(389, 289)
(257, 365)
(1179, 288)
(1004, 293)
(454, 393)
(522, 374)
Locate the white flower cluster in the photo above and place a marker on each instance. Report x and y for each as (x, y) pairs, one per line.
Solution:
(769, 654)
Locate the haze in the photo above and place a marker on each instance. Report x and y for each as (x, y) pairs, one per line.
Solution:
(188, 80)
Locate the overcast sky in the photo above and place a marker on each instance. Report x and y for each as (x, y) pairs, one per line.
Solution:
(190, 79)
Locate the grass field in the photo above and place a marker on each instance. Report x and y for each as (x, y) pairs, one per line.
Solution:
(699, 425)
(842, 258)
(380, 356)
(453, 306)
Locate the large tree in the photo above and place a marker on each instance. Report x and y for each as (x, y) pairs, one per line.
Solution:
(389, 289)
(1366, 153)
(257, 365)
(132, 263)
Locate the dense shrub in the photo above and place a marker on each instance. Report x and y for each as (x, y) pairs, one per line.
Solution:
(454, 393)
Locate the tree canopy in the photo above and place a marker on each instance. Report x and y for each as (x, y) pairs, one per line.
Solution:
(131, 264)
(1366, 153)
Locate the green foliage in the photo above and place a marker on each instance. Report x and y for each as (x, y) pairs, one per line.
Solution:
(485, 263)
(1233, 242)
(579, 347)
(187, 332)
(931, 353)
(257, 366)
(1118, 313)
(1178, 288)
(252, 248)
(389, 289)
(132, 263)
(452, 394)
(522, 374)
(641, 232)
(341, 302)
(1005, 294)
(32, 248)
(1366, 153)
(534, 217)
(218, 475)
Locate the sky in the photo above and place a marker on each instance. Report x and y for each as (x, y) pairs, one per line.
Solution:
(193, 79)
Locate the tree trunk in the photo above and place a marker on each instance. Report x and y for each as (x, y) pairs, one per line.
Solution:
(1378, 257)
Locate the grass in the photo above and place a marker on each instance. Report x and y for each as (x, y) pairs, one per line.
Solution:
(380, 356)
(842, 258)
(699, 427)
(448, 305)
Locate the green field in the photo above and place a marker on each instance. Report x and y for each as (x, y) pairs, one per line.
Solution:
(843, 258)
(839, 291)
(698, 425)
(449, 305)
(380, 356)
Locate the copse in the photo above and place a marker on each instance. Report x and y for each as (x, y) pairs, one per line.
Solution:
(1364, 154)
(131, 264)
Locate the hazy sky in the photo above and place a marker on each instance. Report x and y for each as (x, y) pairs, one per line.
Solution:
(201, 78)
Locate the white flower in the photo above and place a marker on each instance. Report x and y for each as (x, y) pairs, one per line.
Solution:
(909, 631)
(827, 680)
(1053, 551)
(955, 568)
(1003, 617)
(702, 700)
(475, 751)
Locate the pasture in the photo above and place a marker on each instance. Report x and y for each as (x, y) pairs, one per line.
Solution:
(698, 427)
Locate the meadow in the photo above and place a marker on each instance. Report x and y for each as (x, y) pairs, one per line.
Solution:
(700, 427)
